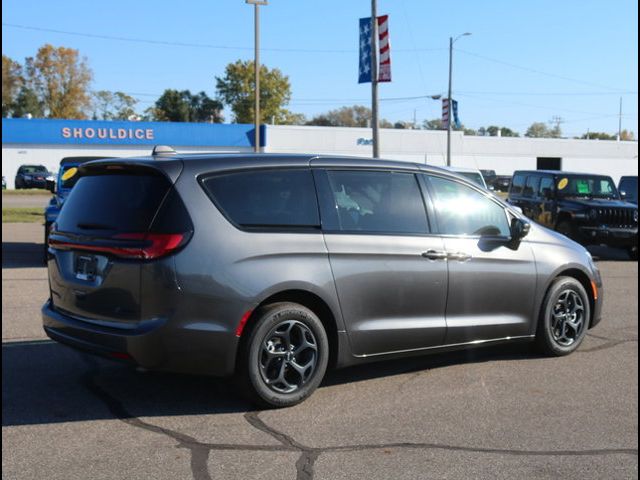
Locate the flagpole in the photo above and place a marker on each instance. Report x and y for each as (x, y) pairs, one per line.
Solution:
(374, 78)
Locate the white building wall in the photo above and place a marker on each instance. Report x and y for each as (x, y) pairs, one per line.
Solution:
(502, 154)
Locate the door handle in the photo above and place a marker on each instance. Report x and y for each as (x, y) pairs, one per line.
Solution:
(460, 256)
(435, 255)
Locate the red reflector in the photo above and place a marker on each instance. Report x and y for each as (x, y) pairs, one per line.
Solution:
(243, 322)
(120, 355)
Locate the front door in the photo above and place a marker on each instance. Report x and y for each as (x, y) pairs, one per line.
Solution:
(389, 271)
(491, 280)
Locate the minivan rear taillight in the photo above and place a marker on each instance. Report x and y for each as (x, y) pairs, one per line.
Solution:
(140, 246)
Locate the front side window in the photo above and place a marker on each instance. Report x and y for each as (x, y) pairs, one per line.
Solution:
(266, 198)
(531, 188)
(378, 202)
(464, 211)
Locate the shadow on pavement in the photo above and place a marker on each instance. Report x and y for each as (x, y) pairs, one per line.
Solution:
(22, 255)
(45, 382)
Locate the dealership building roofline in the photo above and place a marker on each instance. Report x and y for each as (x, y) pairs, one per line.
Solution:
(47, 141)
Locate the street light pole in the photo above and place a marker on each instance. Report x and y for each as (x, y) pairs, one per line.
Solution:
(256, 16)
(451, 42)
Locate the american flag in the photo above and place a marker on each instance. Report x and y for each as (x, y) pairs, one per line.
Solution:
(384, 72)
(384, 65)
(364, 71)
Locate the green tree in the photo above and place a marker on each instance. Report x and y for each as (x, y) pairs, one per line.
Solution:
(182, 106)
(113, 105)
(60, 79)
(354, 116)
(540, 130)
(597, 136)
(12, 81)
(437, 124)
(493, 130)
(237, 89)
(627, 135)
(27, 103)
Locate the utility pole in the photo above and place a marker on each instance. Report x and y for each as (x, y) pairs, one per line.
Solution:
(451, 42)
(374, 79)
(256, 16)
(620, 121)
(449, 102)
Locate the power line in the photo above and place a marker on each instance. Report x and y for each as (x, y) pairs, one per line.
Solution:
(539, 72)
(194, 45)
(543, 94)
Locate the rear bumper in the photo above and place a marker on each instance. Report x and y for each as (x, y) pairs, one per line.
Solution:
(152, 344)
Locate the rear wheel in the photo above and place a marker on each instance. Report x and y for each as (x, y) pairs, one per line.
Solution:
(285, 356)
(564, 317)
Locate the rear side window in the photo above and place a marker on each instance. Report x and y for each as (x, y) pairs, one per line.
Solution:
(378, 202)
(546, 186)
(113, 203)
(266, 198)
(531, 187)
(517, 184)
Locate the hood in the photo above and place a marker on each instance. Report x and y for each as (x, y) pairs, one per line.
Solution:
(597, 202)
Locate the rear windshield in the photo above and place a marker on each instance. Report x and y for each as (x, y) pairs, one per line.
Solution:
(112, 203)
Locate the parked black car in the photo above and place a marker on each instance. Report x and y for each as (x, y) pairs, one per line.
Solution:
(586, 208)
(275, 267)
(501, 183)
(31, 176)
(629, 189)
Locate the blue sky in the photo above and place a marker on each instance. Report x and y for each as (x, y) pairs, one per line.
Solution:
(525, 61)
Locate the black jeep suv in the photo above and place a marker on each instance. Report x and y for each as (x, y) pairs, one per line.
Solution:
(586, 208)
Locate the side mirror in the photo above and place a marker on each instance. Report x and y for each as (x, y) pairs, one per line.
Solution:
(519, 228)
(623, 194)
(51, 185)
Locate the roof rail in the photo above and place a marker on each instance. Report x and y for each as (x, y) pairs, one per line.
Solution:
(163, 151)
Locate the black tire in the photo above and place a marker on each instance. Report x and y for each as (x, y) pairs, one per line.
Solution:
(266, 339)
(567, 229)
(550, 324)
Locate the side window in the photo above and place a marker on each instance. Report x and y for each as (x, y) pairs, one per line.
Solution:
(377, 202)
(531, 187)
(464, 211)
(517, 184)
(546, 187)
(266, 198)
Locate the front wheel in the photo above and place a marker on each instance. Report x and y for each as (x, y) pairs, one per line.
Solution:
(285, 356)
(564, 317)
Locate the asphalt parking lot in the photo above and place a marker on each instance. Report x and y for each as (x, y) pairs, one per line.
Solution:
(488, 413)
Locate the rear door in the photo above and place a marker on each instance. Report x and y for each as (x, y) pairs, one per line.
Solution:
(491, 280)
(101, 239)
(389, 270)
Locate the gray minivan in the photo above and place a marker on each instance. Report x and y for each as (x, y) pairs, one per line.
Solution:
(275, 268)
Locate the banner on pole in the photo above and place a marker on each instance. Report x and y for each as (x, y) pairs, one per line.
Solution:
(384, 68)
(384, 56)
(364, 70)
(447, 113)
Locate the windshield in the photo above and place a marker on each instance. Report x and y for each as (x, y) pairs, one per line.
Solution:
(31, 169)
(474, 177)
(69, 182)
(590, 186)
